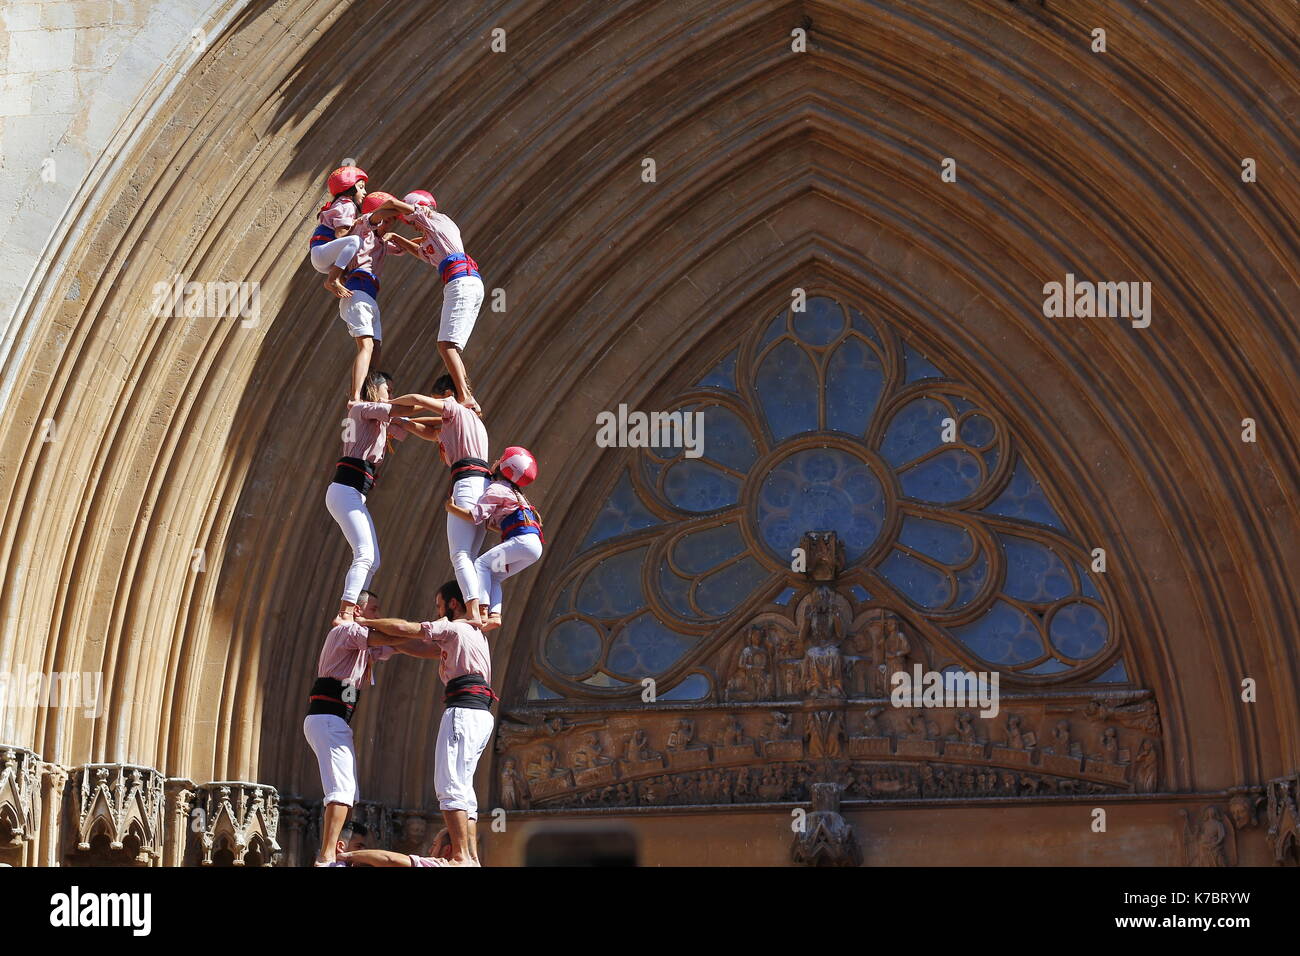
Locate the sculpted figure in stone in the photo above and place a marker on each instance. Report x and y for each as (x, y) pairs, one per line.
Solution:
(589, 754)
(822, 669)
(752, 678)
(638, 747)
(681, 736)
(514, 789)
(1146, 767)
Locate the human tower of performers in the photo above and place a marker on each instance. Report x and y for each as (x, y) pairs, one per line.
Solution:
(357, 231)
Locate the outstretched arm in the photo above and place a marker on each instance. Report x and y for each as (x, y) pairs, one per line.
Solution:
(389, 209)
(427, 428)
(407, 245)
(375, 858)
(390, 630)
(458, 510)
(418, 401)
(417, 647)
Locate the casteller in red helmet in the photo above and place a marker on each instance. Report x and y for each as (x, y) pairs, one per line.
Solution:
(504, 508)
(332, 246)
(358, 290)
(462, 295)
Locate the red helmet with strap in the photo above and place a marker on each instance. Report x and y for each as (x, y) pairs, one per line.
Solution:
(344, 178)
(373, 201)
(419, 197)
(519, 465)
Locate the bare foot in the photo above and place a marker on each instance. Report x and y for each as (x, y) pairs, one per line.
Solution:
(474, 406)
(492, 623)
(339, 290)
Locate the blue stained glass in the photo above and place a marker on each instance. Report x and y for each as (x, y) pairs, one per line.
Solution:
(694, 687)
(1003, 635)
(918, 366)
(1078, 631)
(788, 389)
(1050, 666)
(645, 648)
(923, 585)
(859, 322)
(977, 431)
(698, 487)
(821, 322)
(946, 543)
(573, 647)
(915, 429)
(623, 512)
(990, 459)
(539, 691)
(971, 581)
(854, 380)
(722, 375)
(1087, 588)
(948, 477)
(962, 405)
(821, 489)
(699, 551)
(784, 597)
(674, 591)
(1024, 498)
(775, 330)
(612, 589)
(678, 430)
(723, 591)
(1034, 571)
(1116, 674)
(726, 439)
(860, 594)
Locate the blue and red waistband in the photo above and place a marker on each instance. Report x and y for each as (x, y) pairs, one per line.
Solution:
(322, 234)
(359, 280)
(522, 521)
(457, 266)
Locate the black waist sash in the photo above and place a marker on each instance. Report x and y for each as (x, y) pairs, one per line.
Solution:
(469, 467)
(470, 691)
(328, 697)
(356, 473)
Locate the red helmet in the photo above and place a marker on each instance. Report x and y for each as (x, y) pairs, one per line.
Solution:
(419, 197)
(519, 465)
(344, 178)
(373, 201)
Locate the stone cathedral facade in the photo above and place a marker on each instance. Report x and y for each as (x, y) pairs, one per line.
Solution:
(832, 271)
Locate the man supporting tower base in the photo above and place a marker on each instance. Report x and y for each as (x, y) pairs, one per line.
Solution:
(465, 666)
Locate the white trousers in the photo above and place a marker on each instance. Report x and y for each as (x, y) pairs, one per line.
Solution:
(461, 299)
(494, 566)
(463, 735)
(361, 315)
(337, 252)
(331, 740)
(465, 538)
(348, 507)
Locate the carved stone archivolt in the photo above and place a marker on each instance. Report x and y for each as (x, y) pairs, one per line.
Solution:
(240, 823)
(120, 810)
